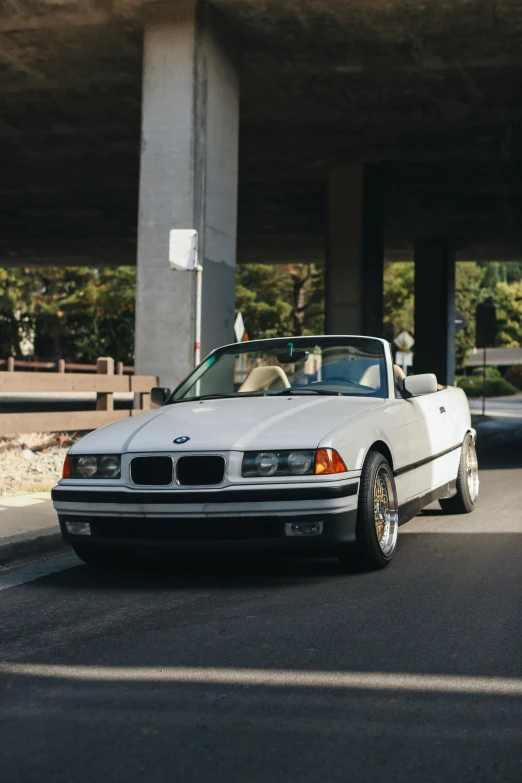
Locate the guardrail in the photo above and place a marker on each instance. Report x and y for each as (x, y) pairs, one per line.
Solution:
(104, 383)
(60, 365)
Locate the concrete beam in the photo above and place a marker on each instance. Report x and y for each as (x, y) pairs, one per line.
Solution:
(188, 179)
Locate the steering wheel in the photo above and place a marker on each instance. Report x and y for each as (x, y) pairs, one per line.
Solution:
(343, 380)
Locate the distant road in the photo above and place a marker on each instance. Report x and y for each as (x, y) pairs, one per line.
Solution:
(510, 407)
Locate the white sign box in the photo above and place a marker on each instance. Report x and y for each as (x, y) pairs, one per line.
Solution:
(183, 249)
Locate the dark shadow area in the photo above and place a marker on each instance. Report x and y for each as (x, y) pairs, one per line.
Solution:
(219, 571)
(503, 455)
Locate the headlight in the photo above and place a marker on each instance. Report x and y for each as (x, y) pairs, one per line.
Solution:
(301, 462)
(278, 463)
(102, 467)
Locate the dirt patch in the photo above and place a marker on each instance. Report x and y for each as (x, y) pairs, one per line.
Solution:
(32, 462)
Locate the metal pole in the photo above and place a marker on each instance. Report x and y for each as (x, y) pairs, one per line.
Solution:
(197, 341)
(484, 383)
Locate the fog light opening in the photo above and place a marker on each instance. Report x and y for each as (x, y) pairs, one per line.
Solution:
(294, 529)
(78, 528)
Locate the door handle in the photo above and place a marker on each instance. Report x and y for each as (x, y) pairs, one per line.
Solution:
(442, 409)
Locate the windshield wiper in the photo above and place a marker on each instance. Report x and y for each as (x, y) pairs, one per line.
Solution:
(218, 397)
(305, 391)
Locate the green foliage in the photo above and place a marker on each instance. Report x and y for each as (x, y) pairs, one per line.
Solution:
(514, 375)
(508, 301)
(495, 387)
(469, 279)
(492, 373)
(399, 279)
(276, 300)
(76, 313)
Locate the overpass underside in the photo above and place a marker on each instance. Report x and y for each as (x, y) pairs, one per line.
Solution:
(335, 131)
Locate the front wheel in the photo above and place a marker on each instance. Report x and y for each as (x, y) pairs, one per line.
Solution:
(98, 557)
(377, 524)
(467, 482)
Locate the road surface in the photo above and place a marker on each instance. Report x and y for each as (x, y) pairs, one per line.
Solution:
(274, 669)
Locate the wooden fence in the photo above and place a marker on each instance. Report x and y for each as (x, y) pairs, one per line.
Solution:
(11, 364)
(104, 383)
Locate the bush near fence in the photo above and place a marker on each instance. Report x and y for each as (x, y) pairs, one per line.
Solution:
(495, 387)
(514, 375)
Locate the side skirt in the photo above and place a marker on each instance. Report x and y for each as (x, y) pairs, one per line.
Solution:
(410, 509)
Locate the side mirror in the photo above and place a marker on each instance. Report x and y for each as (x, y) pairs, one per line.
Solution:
(159, 395)
(417, 385)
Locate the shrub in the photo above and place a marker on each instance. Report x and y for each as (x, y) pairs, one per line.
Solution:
(492, 373)
(496, 387)
(514, 375)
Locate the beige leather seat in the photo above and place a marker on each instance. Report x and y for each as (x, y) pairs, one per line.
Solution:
(399, 374)
(264, 378)
(372, 377)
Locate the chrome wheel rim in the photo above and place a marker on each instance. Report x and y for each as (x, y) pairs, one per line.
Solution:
(472, 475)
(385, 514)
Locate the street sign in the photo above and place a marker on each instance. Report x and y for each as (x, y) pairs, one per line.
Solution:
(404, 359)
(404, 340)
(460, 321)
(239, 328)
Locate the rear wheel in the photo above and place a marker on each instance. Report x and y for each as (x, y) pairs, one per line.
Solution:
(377, 516)
(467, 482)
(97, 557)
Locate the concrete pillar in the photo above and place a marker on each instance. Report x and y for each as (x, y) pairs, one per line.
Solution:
(188, 179)
(354, 250)
(434, 349)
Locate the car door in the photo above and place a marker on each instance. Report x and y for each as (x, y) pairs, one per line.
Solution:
(430, 435)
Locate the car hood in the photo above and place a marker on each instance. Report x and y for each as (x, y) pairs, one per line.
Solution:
(229, 424)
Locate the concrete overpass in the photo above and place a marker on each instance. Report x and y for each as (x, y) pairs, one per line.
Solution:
(335, 130)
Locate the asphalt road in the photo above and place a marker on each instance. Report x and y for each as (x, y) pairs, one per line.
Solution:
(273, 669)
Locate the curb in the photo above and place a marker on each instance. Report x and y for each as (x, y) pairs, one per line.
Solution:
(25, 547)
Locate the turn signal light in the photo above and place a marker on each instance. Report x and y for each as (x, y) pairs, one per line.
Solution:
(66, 473)
(328, 461)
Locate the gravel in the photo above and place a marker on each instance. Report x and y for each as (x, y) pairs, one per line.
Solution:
(32, 462)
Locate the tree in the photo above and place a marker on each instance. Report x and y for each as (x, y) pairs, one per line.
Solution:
(508, 301)
(469, 291)
(277, 300)
(399, 277)
(76, 313)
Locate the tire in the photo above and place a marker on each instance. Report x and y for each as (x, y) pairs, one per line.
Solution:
(467, 482)
(97, 557)
(377, 523)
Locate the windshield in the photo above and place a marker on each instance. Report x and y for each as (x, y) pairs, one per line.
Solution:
(301, 365)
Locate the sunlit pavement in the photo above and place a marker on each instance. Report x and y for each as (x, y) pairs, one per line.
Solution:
(279, 669)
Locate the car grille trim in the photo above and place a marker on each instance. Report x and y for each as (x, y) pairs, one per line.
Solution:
(185, 528)
(153, 471)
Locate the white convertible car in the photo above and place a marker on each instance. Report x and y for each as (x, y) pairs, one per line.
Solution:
(297, 443)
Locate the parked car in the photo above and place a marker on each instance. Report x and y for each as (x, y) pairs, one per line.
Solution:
(303, 443)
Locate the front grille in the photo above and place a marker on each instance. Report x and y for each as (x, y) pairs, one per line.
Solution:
(186, 529)
(153, 471)
(200, 471)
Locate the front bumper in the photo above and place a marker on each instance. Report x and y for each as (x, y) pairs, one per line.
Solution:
(227, 519)
(210, 534)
